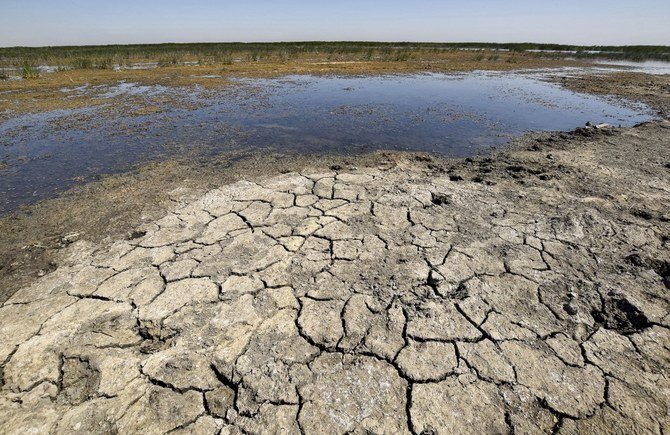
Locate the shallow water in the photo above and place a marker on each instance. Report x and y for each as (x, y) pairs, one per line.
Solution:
(654, 67)
(454, 115)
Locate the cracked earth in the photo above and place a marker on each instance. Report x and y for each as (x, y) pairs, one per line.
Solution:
(527, 293)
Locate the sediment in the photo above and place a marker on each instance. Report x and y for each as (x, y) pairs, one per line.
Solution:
(525, 292)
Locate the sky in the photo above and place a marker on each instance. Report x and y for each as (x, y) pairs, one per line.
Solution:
(584, 22)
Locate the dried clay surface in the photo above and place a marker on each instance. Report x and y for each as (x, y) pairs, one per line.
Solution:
(527, 293)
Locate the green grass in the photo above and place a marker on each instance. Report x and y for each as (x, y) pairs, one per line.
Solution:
(29, 71)
(256, 56)
(401, 56)
(90, 63)
(224, 58)
(82, 63)
(104, 63)
(104, 56)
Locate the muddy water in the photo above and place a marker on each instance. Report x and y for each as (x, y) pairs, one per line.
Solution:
(654, 67)
(454, 115)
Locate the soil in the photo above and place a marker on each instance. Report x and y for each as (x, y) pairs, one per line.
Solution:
(45, 93)
(522, 292)
(653, 90)
(112, 207)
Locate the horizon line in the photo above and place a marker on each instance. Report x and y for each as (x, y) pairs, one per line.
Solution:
(333, 42)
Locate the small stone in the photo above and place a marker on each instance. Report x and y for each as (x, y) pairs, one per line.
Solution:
(70, 238)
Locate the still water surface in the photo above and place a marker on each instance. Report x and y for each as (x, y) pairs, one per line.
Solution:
(454, 115)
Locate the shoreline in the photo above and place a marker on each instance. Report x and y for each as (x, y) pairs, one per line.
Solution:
(44, 93)
(115, 205)
(529, 288)
(386, 292)
(653, 90)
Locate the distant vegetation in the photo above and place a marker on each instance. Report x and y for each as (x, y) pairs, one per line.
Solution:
(29, 70)
(105, 56)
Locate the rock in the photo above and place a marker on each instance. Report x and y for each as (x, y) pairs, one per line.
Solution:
(80, 381)
(221, 227)
(178, 270)
(70, 238)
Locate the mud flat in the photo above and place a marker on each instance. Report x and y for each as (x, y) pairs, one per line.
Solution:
(521, 292)
(527, 293)
(653, 90)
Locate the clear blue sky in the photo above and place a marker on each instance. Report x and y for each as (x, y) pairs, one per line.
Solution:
(63, 22)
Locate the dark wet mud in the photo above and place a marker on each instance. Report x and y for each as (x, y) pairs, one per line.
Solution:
(456, 115)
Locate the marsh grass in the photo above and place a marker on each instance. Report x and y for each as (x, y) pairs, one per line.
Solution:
(29, 70)
(284, 55)
(390, 54)
(82, 63)
(92, 63)
(255, 56)
(168, 61)
(103, 57)
(224, 59)
(402, 56)
(4, 75)
(104, 63)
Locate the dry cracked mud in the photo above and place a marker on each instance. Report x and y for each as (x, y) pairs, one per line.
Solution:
(527, 293)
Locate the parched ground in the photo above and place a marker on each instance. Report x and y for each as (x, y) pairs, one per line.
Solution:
(527, 293)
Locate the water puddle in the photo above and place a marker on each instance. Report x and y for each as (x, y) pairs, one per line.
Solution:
(136, 66)
(654, 67)
(130, 89)
(454, 115)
